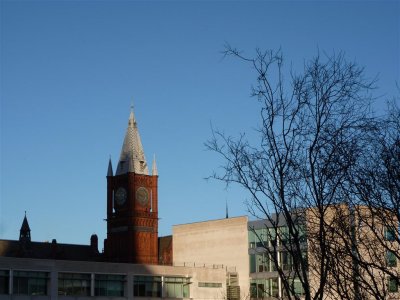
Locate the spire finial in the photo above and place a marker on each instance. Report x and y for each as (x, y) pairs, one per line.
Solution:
(132, 106)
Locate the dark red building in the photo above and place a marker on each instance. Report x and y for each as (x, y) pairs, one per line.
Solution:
(132, 204)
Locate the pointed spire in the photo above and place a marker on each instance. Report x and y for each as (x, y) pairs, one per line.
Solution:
(154, 170)
(25, 231)
(227, 215)
(132, 157)
(110, 169)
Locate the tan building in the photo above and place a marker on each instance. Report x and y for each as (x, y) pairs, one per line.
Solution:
(220, 243)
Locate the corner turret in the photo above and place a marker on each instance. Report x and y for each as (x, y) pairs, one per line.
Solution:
(110, 169)
(154, 170)
(25, 231)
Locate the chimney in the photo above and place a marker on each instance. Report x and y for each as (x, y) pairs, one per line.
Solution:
(94, 244)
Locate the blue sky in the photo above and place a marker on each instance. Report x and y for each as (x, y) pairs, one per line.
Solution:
(69, 71)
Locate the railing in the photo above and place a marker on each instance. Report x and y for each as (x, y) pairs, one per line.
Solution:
(205, 265)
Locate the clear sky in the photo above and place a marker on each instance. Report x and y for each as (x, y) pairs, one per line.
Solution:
(69, 71)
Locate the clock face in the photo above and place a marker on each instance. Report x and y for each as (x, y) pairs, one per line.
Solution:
(120, 196)
(142, 196)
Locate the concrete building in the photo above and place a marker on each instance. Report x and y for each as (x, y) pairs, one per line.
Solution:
(219, 242)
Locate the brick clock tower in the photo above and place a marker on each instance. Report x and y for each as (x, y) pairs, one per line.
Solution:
(132, 204)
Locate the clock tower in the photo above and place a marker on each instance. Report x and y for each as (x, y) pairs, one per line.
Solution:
(132, 204)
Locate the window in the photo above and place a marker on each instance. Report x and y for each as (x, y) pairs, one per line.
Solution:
(252, 262)
(210, 284)
(259, 263)
(284, 235)
(298, 287)
(274, 287)
(74, 284)
(390, 234)
(30, 283)
(259, 288)
(147, 286)
(252, 239)
(393, 284)
(285, 260)
(264, 288)
(177, 287)
(302, 233)
(253, 289)
(109, 285)
(391, 259)
(260, 238)
(4, 281)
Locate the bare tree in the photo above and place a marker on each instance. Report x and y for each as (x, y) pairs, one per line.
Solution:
(375, 191)
(314, 131)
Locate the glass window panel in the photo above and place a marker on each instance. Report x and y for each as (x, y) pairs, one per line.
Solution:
(393, 285)
(109, 285)
(74, 284)
(252, 239)
(391, 259)
(274, 287)
(177, 287)
(253, 289)
(252, 259)
(30, 283)
(4, 281)
(390, 234)
(259, 238)
(147, 286)
(298, 287)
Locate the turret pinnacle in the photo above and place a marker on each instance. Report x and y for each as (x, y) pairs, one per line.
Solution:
(110, 169)
(132, 157)
(25, 231)
(154, 171)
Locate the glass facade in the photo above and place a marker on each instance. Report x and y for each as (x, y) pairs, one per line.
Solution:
(74, 284)
(30, 283)
(275, 242)
(147, 286)
(109, 285)
(37, 283)
(176, 287)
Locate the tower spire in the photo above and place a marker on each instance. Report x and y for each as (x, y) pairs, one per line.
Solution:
(226, 203)
(132, 158)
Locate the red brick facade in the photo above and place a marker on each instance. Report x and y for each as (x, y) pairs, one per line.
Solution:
(132, 225)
